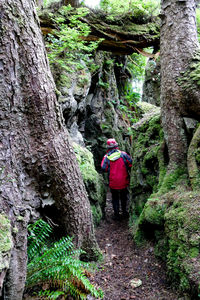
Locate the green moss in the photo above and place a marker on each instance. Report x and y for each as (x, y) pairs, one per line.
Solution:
(191, 78)
(147, 155)
(173, 221)
(97, 214)
(86, 163)
(5, 234)
(139, 237)
(150, 30)
(83, 80)
(93, 181)
(64, 81)
(171, 180)
(194, 252)
(15, 230)
(154, 212)
(20, 218)
(162, 246)
(145, 108)
(5, 241)
(182, 229)
(170, 215)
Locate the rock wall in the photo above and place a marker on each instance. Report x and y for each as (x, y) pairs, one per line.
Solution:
(93, 181)
(90, 104)
(151, 86)
(163, 208)
(103, 116)
(147, 157)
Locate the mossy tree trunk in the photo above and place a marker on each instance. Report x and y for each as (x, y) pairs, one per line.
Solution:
(178, 45)
(36, 157)
(193, 166)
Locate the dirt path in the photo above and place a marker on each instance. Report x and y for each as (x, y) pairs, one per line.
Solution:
(124, 262)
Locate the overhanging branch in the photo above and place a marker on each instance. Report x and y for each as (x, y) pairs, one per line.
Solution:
(121, 38)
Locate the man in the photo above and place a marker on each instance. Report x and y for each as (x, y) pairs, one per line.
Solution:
(117, 163)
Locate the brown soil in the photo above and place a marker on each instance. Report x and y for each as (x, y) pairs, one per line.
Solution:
(124, 261)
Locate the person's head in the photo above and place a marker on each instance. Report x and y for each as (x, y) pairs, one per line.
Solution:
(111, 143)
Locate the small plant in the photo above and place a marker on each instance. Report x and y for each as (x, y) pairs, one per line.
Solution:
(103, 84)
(68, 46)
(56, 264)
(128, 106)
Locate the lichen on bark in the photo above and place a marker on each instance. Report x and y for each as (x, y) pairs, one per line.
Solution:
(6, 242)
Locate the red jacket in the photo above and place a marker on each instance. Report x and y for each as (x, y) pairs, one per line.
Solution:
(117, 163)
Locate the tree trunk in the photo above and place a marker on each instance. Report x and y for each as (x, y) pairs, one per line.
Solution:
(178, 44)
(36, 157)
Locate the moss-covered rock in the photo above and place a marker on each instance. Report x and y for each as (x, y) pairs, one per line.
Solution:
(147, 155)
(103, 117)
(163, 207)
(5, 242)
(183, 232)
(150, 223)
(93, 182)
(172, 220)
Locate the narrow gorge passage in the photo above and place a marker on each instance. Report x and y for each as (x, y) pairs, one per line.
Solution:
(125, 262)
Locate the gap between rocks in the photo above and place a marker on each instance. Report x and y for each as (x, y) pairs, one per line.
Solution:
(125, 264)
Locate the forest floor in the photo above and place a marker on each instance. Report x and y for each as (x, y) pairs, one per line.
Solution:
(124, 262)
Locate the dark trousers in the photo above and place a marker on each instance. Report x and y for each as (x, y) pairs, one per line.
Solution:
(117, 196)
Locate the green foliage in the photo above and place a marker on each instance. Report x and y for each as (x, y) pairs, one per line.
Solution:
(66, 45)
(136, 65)
(128, 108)
(56, 264)
(39, 233)
(137, 8)
(132, 93)
(103, 84)
(198, 22)
(53, 295)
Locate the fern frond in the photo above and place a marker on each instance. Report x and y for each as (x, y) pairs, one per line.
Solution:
(57, 265)
(39, 233)
(53, 295)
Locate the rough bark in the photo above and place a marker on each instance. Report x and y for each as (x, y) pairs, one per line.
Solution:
(36, 155)
(178, 44)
